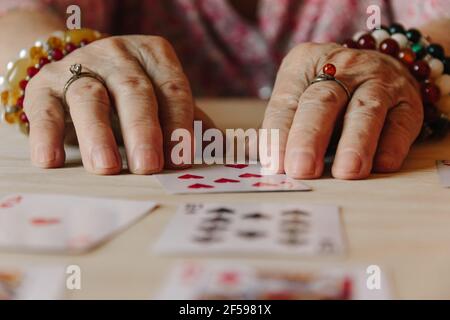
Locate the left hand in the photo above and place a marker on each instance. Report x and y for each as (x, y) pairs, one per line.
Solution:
(380, 122)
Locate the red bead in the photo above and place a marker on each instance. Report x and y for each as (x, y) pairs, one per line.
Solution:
(430, 93)
(407, 56)
(23, 84)
(367, 42)
(390, 47)
(23, 118)
(421, 70)
(43, 61)
(69, 47)
(329, 69)
(19, 102)
(32, 71)
(57, 54)
(349, 43)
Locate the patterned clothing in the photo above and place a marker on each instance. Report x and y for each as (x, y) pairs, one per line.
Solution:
(223, 53)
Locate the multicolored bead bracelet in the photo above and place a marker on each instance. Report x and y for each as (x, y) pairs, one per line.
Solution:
(427, 63)
(13, 84)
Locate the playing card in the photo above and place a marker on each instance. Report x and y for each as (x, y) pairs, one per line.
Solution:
(237, 281)
(444, 172)
(59, 223)
(253, 229)
(227, 178)
(31, 283)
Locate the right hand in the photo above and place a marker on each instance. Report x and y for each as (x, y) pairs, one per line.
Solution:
(147, 88)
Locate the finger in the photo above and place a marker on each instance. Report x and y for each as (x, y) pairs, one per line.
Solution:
(46, 118)
(402, 127)
(363, 123)
(176, 104)
(291, 82)
(311, 130)
(137, 108)
(90, 111)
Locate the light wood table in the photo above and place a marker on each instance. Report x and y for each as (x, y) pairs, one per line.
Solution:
(399, 221)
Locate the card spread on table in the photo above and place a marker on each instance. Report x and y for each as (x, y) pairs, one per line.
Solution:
(59, 223)
(32, 283)
(227, 178)
(236, 281)
(444, 172)
(290, 229)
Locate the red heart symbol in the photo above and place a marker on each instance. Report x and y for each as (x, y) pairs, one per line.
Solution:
(190, 176)
(225, 180)
(236, 166)
(9, 203)
(264, 184)
(200, 186)
(44, 221)
(250, 175)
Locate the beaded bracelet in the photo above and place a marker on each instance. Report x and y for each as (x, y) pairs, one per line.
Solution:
(19, 72)
(427, 63)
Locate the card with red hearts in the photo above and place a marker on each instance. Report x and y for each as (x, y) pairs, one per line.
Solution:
(60, 223)
(227, 178)
(444, 172)
(253, 229)
(234, 280)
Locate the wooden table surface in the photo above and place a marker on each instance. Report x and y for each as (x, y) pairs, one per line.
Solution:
(400, 222)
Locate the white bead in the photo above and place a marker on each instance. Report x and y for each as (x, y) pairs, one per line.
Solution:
(437, 68)
(401, 39)
(10, 65)
(358, 35)
(443, 82)
(443, 105)
(3, 84)
(23, 53)
(380, 35)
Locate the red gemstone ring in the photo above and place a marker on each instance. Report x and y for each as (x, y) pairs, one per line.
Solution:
(329, 70)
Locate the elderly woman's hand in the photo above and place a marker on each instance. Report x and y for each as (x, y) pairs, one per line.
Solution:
(145, 85)
(380, 122)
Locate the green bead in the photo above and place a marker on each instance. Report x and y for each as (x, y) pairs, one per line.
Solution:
(419, 50)
(417, 47)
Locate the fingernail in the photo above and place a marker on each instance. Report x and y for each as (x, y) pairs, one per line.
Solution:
(44, 154)
(301, 163)
(104, 157)
(348, 162)
(145, 159)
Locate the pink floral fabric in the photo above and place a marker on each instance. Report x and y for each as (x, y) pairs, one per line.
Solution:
(224, 54)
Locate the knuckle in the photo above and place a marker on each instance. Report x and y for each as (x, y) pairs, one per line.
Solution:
(88, 90)
(175, 88)
(45, 119)
(139, 124)
(135, 85)
(279, 103)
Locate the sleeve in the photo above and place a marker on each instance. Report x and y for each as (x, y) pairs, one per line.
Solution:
(414, 13)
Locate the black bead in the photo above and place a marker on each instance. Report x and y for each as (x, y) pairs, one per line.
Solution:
(440, 128)
(446, 62)
(396, 28)
(436, 51)
(413, 35)
(421, 54)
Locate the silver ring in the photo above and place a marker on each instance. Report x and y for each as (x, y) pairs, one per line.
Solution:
(326, 77)
(77, 73)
